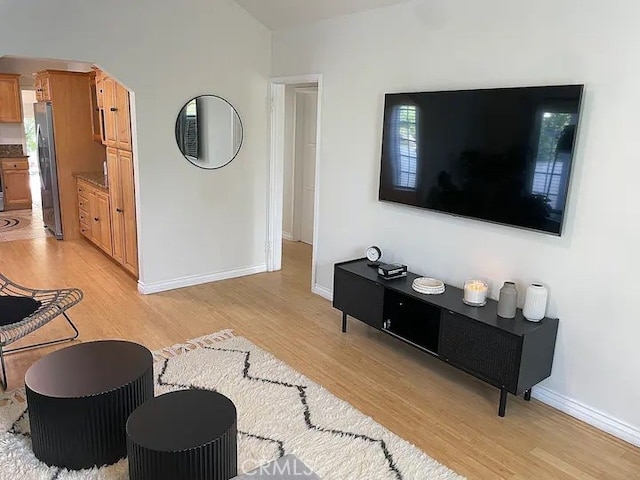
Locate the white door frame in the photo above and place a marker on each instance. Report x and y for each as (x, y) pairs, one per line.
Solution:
(275, 200)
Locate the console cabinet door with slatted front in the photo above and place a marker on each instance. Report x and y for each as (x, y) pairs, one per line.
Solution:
(489, 353)
(358, 297)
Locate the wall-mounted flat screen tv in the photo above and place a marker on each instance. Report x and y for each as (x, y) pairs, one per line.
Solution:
(502, 155)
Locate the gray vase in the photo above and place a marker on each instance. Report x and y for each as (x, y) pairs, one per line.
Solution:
(508, 301)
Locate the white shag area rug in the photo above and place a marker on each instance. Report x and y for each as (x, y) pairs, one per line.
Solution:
(280, 412)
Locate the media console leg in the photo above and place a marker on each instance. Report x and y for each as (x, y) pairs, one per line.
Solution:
(503, 402)
(344, 322)
(527, 395)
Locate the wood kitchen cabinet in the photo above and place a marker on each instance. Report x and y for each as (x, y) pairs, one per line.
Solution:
(123, 119)
(43, 87)
(123, 208)
(10, 99)
(112, 101)
(95, 215)
(15, 181)
(99, 82)
(96, 119)
(115, 115)
(109, 136)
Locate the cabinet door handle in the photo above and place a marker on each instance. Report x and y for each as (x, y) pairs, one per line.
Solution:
(119, 210)
(96, 219)
(113, 109)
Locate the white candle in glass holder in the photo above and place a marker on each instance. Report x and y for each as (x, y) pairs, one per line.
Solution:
(475, 292)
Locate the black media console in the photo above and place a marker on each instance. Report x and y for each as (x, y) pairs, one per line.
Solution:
(511, 354)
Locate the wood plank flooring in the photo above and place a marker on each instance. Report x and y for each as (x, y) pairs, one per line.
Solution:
(446, 413)
(30, 225)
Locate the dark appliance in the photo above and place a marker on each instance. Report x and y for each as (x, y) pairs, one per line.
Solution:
(502, 155)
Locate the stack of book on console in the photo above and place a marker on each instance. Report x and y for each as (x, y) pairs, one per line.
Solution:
(391, 271)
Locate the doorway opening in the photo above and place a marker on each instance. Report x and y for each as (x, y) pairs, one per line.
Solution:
(293, 173)
(68, 160)
(300, 162)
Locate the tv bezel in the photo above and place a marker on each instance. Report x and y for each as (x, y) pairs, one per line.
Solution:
(574, 145)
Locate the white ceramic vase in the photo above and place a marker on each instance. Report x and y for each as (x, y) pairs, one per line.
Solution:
(535, 302)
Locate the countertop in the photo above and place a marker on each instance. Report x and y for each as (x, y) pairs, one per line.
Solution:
(94, 178)
(11, 151)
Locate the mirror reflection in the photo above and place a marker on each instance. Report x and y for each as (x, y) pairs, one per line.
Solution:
(209, 131)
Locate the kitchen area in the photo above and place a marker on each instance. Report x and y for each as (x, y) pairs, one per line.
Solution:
(66, 160)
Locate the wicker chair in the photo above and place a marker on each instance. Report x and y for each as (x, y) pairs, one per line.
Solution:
(53, 303)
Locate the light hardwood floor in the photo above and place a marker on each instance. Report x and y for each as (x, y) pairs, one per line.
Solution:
(30, 227)
(446, 413)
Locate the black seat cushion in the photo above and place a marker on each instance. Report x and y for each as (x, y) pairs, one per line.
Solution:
(14, 309)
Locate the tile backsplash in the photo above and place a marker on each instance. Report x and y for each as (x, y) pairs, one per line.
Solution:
(11, 150)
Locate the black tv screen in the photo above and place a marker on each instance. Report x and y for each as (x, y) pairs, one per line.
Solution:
(502, 155)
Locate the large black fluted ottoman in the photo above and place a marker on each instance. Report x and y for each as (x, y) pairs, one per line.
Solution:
(80, 397)
(189, 434)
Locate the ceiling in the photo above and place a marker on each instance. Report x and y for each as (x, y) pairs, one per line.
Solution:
(26, 67)
(277, 14)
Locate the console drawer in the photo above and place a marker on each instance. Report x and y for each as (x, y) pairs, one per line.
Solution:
(358, 297)
(489, 353)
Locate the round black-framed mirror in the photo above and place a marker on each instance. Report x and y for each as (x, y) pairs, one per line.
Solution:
(209, 132)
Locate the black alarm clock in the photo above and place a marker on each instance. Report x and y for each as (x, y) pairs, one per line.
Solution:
(374, 254)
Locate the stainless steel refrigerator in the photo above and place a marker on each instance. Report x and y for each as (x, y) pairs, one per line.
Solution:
(48, 168)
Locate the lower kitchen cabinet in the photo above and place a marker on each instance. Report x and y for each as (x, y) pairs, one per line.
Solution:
(15, 181)
(108, 214)
(94, 213)
(123, 208)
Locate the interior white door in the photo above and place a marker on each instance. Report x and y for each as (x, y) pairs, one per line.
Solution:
(306, 126)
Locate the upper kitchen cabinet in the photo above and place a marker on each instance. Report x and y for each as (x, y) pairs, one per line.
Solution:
(96, 113)
(43, 87)
(123, 119)
(10, 99)
(98, 79)
(116, 117)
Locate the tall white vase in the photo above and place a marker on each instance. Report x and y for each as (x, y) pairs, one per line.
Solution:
(535, 302)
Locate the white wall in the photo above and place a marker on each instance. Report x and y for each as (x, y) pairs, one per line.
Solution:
(592, 270)
(193, 223)
(11, 134)
(28, 99)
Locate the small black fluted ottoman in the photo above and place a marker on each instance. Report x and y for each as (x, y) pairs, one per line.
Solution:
(79, 399)
(189, 434)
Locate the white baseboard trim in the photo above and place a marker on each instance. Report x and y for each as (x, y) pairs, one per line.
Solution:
(287, 236)
(323, 292)
(156, 287)
(588, 415)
